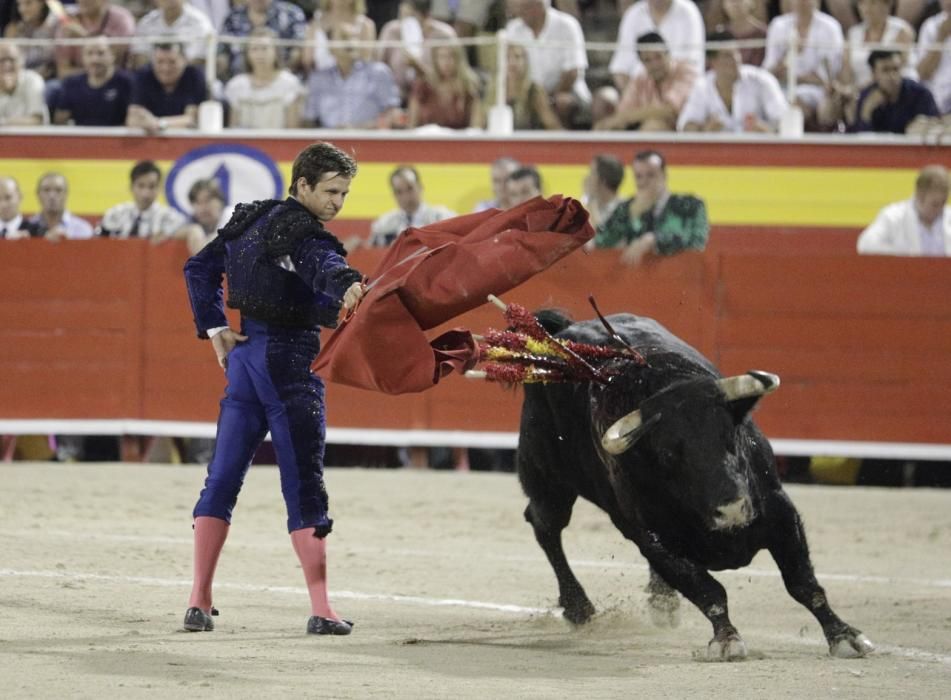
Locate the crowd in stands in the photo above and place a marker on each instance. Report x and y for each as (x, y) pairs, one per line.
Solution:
(880, 65)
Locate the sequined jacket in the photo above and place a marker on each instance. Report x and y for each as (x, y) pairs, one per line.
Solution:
(283, 268)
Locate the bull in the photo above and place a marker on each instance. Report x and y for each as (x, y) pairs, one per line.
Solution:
(667, 449)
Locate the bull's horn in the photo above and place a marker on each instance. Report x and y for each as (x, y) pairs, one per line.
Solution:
(620, 436)
(744, 386)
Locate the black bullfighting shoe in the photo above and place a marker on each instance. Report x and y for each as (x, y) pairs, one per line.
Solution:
(323, 625)
(197, 620)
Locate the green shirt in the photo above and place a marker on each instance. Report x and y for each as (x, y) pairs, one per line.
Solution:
(680, 225)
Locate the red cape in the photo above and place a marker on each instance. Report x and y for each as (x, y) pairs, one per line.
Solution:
(433, 274)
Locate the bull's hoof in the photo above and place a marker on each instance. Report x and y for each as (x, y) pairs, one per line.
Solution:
(664, 610)
(727, 647)
(579, 613)
(851, 644)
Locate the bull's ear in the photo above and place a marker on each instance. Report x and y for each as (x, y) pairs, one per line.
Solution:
(743, 391)
(622, 435)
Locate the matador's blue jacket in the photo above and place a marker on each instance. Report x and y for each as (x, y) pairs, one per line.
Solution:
(283, 269)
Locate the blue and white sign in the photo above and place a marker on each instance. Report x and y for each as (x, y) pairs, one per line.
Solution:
(243, 174)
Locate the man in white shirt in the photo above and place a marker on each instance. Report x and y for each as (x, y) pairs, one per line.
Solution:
(12, 224)
(54, 222)
(679, 22)
(22, 101)
(411, 210)
(557, 57)
(934, 65)
(920, 226)
(177, 18)
(144, 217)
(818, 58)
(732, 96)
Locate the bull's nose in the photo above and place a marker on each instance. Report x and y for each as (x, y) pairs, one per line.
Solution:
(732, 515)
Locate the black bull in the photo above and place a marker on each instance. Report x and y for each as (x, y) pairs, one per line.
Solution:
(694, 483)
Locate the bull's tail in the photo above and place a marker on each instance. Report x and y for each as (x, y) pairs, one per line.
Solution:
(553, 320)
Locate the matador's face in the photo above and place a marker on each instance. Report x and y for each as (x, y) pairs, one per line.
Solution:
(325, 199)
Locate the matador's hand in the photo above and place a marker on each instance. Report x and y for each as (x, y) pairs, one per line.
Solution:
(353, 295)
(224, 343)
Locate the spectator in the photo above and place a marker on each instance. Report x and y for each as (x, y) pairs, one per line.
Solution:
(178, 20)
(411, 209)
(877, 27)
(531, 108)
(733, 97)
(283, 18)
(98, 97)
(654, 221)
(500, 170)
(209, 213)
(601, 186)
(447, 92)
(353, 94)
(523, 184)
(655, 94)
(54, 221)
(32, 19)
(92, 18)
(330, 15)
(12, 223)
(21, 91)
(918, 226)
(558, 68)
(934, 65)
(144, 216)
(745, 26)
(166, 93)
(680, 24)
(819, 56)
(413, 28)
(891, 102)
(268, 96)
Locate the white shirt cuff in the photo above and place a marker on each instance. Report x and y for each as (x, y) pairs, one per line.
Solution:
(212, 332)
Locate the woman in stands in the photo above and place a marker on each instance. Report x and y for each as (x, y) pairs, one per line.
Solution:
(447, 92)
(531, 106)
(32, 19)
(268, 96)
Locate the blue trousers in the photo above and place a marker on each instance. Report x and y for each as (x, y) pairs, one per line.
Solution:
(271, 387)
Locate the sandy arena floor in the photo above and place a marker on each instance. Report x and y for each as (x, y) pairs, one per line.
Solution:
(451, 596)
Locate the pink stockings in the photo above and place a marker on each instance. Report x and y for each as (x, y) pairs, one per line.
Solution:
(312, 553)
(210, 535)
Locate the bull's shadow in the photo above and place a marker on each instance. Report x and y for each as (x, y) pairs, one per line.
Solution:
(654, 436)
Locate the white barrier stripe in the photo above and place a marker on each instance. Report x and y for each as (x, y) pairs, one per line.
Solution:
(579, 563)
(450, 438)
(907, 652)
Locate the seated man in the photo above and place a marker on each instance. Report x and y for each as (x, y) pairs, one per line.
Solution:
(655, 94)
(173, 18)
(411, 209)
(12, 223)
(143, 217)
(522, 184)
(21, 90)
(54, 221)
(500, 170)
(354, 94)
(891, 103)
(732, 96)
(557, 68)
(917, 226)
(98, 97)
(654, 221)
(167, 92)
(601, 184)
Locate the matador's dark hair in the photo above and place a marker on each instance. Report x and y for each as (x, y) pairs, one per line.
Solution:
(318, 159)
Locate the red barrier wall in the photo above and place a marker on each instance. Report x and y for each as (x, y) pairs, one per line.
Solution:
(102, 329)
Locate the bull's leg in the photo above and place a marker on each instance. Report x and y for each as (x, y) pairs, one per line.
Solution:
(663, 603)
(701, 589)
(791, 553)
(548, 519)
